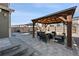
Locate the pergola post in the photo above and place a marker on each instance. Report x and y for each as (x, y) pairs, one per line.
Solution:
(69, 31)
(63, 28)
(33, 29)
(55, 28)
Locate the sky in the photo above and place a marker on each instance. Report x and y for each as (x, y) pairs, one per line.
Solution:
(25, 12)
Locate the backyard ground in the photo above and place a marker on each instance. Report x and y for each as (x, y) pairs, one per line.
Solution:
(41, 48)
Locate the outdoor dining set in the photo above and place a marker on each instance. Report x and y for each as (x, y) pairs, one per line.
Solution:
(46, 37)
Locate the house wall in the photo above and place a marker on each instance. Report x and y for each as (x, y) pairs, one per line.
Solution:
(4, 23)
(4, 4)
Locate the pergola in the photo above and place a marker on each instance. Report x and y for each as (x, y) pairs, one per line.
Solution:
(64, 16)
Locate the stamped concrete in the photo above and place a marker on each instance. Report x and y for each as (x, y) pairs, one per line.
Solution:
(40, 48)
(47, 49)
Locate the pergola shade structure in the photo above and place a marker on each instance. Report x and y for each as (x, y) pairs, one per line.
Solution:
(64, 16)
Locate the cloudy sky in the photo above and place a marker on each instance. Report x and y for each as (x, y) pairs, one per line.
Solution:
(25, 12)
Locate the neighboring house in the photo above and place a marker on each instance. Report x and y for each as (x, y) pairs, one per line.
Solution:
(75, 25)
(23, 28)
(5, 20)
(19, 28)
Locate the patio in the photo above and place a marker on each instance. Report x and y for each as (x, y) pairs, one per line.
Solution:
(46, 49)
(36, 47)
(30, 45)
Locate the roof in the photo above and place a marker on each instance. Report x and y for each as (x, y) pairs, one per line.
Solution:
(76, 18)
(6, 8)
(54, 17)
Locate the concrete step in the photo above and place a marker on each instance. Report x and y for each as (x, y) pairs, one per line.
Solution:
(9, 49)
(32, 52)
(29, 52)
(17, 52)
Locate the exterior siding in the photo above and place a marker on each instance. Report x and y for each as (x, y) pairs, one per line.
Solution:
(4, 22)
(4, 4)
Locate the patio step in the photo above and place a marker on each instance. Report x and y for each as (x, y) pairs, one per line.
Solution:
(22, 51)
(8, 49)
(17, 52)
(31, 52)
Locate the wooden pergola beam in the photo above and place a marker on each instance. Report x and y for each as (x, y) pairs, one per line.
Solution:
(63, 19)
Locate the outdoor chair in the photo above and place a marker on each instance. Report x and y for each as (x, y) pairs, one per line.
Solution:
(53, 34)
(39, 34)
(60, 38)
(49, 36)
(43, 37)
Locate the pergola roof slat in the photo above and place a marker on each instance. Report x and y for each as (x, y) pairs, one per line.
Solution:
(53, 18)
